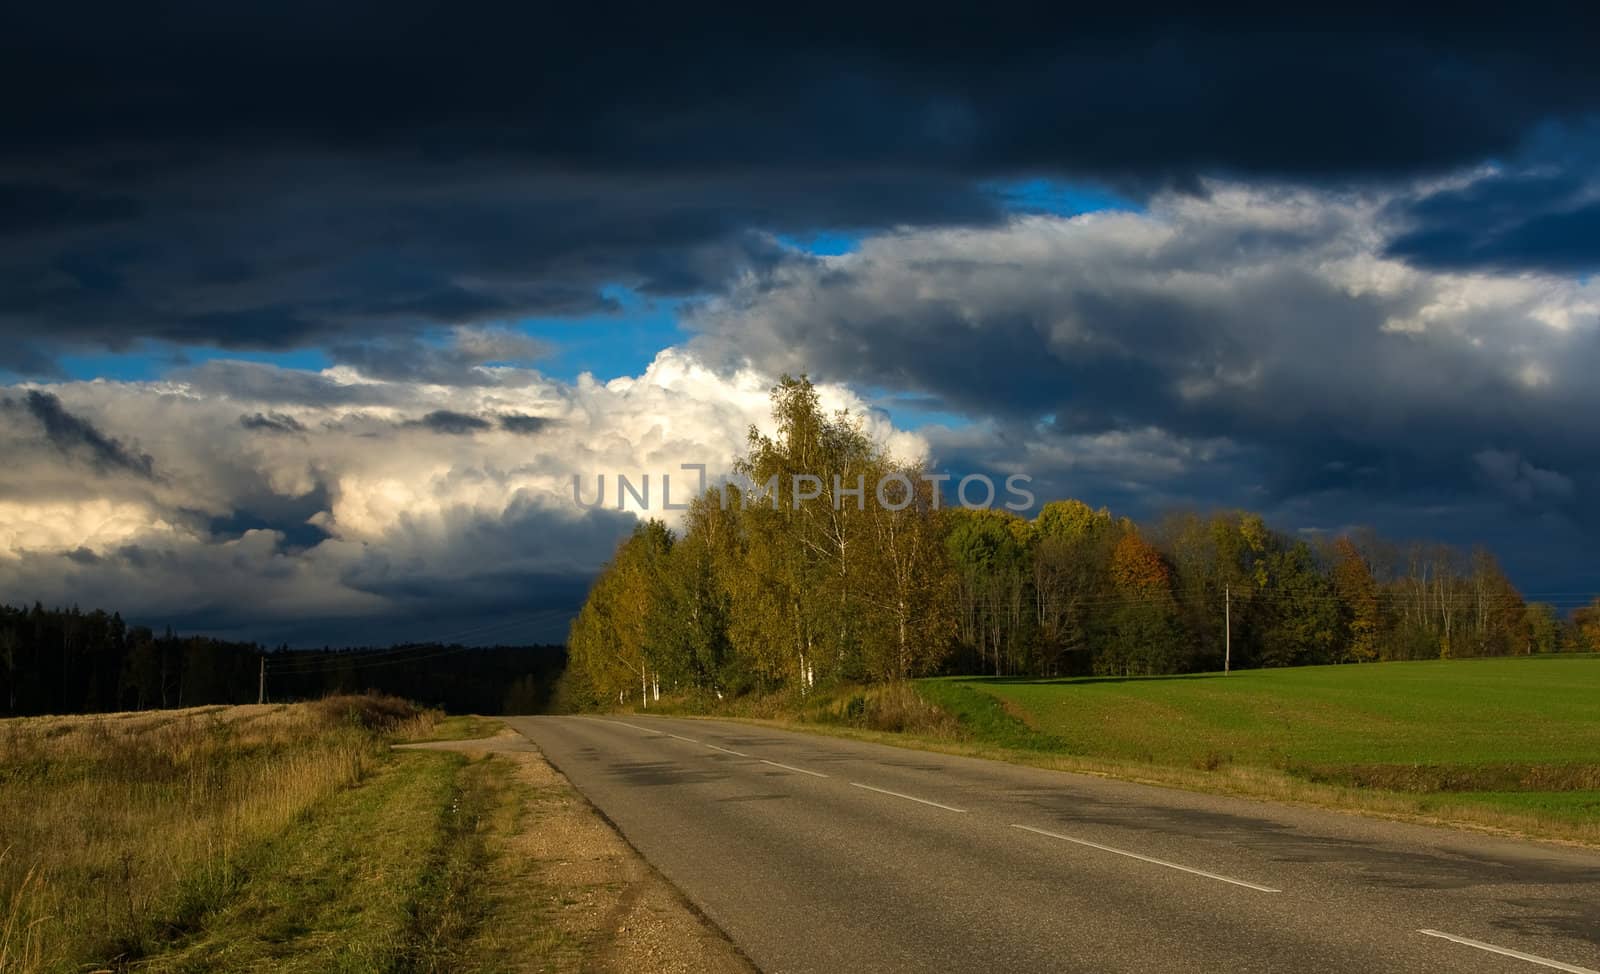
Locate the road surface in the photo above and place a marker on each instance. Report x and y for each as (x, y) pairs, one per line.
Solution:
(819, 854)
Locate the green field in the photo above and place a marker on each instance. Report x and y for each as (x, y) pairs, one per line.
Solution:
(1514, 737)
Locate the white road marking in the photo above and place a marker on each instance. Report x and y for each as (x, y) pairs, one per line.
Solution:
(790, 767)
(682, 738)
(909, 798)
(727, 750)
(1508, 952)
(636, 727)
(1149, 859)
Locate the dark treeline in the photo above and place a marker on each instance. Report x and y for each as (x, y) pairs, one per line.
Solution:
(67, 661)
(767, 588)
(1077, 591)
(460, 679)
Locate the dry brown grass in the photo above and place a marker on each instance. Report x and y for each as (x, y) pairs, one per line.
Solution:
(895, 708)
(120, 828)
(888, 707)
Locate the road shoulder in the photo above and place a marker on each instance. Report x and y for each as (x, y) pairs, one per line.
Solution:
(566, 892)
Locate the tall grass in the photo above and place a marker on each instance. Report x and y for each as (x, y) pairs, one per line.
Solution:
(120, 830)
(887, 707)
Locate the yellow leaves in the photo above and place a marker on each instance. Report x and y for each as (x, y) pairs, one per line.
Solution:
(1587, 622)
(1137, 567)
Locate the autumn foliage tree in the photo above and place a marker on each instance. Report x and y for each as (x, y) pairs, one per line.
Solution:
(1585, 636)
(797, 577)
(1358, 596)
(1142, 634)
(793, 578)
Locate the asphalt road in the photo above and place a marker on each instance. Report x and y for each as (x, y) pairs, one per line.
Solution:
(819, 854)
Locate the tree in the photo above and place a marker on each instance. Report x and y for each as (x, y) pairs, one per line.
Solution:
(805, 543)
(1301, 618)
(1070, 558)
(1543, 627)
(688, 625)
(1499, 623)
(1586, 628)
(9, 644)
(908, 586)
(1358, 598)
(1142, 636)
(990, 565)
(609, 638)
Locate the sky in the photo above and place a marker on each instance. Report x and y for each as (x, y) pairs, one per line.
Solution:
(309, 319)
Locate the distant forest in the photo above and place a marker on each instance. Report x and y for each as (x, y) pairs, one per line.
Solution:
(756, 596)
(67, 661)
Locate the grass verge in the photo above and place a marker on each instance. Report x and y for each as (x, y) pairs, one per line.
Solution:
(117, 830)
(295, 839)
(1503, 745)
(459, 727)
(362, 886)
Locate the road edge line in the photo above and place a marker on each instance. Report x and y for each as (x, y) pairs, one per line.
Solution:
(1151, 859)
(1508, 952)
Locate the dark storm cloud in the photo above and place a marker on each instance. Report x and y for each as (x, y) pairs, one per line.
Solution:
(271, 423)
(460, 362)
(276, 176)
(686, 90)
(1518, 222)
(281, 254)
(496, 584)
(26, 358)
(292, 517)
(496, 608)
(524, 425)
(41, 207)
(451, 423)
(1244, 349)
(75, 436)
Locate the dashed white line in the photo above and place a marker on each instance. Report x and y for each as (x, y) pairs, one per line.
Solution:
(790, 767)
(1508, 952)
(1149, 859)
(909, 798)
(636, 727)
(727, 750)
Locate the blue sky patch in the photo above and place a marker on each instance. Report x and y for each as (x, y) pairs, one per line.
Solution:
(1057, 198)
(826, 243)
(611, 345)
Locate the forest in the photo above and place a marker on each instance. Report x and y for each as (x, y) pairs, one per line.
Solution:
(753, 595)
(69, 661)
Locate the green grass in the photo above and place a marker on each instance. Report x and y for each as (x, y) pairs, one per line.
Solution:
(1539, 710)
(1575, 807)
(385, 877)
(461, 727)
(1519, 736)
(335, 892)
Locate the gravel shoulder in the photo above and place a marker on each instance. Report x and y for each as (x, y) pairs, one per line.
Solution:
(567, 893)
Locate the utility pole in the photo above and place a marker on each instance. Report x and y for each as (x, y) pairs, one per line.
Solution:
(1227, 629)
(261, 687)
